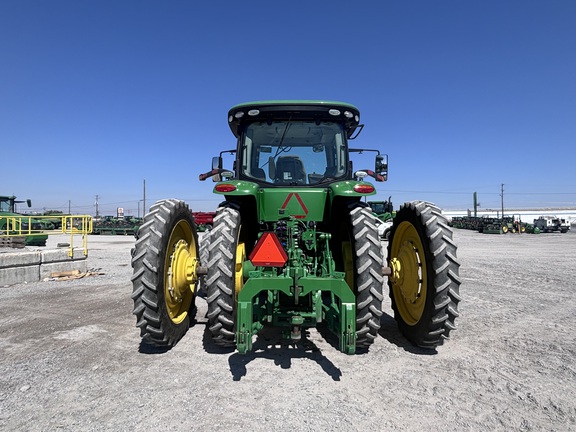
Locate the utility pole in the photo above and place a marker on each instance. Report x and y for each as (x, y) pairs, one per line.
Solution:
(502, 197)
(69, 212)
(475, 204)
(144, 209)
(97, 214)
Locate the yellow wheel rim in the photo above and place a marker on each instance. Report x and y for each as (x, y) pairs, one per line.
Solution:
(180, 272)
(238, 272)
(408, 279)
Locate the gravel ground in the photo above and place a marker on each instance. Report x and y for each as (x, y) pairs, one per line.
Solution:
(71, 358)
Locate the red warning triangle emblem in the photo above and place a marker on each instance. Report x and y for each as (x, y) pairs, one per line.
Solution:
(300, 202)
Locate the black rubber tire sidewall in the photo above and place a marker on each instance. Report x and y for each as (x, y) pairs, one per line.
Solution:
(148, 261)
(220, 280)
(442, 268)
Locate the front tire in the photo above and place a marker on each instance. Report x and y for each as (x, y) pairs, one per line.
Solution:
(424, 285)
(164, 285)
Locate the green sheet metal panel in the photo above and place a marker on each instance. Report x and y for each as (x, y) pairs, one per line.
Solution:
(278, 203)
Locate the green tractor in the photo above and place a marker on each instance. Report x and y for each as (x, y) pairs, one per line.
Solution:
(383, 210)
(293, 244)
(19, 223)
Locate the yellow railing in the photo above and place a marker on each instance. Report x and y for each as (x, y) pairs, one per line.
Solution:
(24, 226)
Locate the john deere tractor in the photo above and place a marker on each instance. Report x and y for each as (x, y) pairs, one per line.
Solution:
(293, 243)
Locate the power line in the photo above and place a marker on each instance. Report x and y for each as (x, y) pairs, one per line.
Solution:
(469, 193)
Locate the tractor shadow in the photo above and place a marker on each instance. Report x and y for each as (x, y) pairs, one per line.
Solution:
(270, 344)
(147, 347)
(389, 330)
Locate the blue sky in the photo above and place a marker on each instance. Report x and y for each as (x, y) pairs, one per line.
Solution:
(96, 96)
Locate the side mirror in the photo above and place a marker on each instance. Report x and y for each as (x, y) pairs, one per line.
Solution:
(29, 202)
(216, 164)
(381, 166)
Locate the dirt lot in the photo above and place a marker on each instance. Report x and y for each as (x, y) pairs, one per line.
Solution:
(71, 359)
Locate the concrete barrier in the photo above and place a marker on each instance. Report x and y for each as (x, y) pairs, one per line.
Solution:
(34, 266)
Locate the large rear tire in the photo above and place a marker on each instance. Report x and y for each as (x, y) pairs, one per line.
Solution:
(224, 278)
(164, 260)
(424, 285)
(362, 258)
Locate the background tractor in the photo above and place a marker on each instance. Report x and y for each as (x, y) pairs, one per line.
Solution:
(293, 245)
(21, 223)
(384, 211)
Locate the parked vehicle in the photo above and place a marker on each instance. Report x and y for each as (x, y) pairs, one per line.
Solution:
(293, 243)
(549, 224)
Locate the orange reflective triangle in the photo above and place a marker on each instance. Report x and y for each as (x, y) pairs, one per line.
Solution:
(268, 252)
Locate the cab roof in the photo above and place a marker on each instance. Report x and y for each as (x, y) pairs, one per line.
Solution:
(249, 112)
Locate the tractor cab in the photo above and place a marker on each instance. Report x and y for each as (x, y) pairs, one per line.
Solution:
(295, 143)
(295, 153)
(8, 204)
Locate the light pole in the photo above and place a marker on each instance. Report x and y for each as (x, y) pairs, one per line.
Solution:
(144, 190)
(139, 201)
(502, 197)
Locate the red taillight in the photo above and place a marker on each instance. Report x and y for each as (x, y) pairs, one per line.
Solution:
(268, 252)
(364, 188)
(225, 187)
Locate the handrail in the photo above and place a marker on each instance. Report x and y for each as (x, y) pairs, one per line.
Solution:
(20, 225)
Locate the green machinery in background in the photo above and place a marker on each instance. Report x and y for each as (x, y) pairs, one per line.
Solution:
(383, 210)
(112, 225)
(13, 222)
(493, 225)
